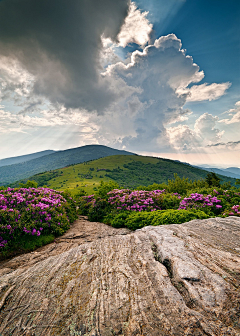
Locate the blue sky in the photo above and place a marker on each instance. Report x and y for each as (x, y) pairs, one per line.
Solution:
(210, 32)
(160, 79)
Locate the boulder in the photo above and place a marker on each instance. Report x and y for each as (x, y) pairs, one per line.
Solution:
(179, 279)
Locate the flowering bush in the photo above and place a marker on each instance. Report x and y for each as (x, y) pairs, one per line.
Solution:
(33, 211)
(214, 201)
(234, 211)
(118, 204)
(141, 200)
(119, 200)
(199, 201)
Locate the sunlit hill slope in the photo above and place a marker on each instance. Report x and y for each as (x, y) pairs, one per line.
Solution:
(129, 171)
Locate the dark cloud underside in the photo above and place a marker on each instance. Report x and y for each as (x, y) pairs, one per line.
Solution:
(58, 41)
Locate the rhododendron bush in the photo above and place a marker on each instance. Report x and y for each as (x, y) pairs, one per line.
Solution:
(119, 201)
(33, 212)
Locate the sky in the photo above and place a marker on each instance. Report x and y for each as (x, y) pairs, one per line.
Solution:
(154, 77)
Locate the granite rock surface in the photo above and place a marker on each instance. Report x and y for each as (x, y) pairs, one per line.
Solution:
(179, 279)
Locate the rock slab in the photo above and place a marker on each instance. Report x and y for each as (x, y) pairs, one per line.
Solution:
(99, 281)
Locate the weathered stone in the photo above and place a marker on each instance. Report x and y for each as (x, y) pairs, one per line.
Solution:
(96, 280)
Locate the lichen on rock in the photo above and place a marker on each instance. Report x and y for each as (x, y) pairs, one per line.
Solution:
(96, 280)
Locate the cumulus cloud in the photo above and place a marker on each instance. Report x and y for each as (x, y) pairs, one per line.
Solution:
(59, 43)
(67, 67)
(182, 138)
(153, 75)
(234, 115)
(205, 127)
(204, 134)
(136, 28)
(204, 91)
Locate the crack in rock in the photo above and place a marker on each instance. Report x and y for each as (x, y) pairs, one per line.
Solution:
(157, 281)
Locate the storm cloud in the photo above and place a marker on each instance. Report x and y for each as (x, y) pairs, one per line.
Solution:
(59, 42)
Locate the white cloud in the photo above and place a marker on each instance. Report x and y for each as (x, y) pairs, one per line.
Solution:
(145, 100)
(153, 77)
(136, 28)
(107, 54)
(204, 91)
(182, 138)
(60, 116)
(204, 134)
(205, 127)
(234, 113)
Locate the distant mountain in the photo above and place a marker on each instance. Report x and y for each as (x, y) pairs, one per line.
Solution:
(233, 172)
(129, 171)
(60, 159)
(24, 158)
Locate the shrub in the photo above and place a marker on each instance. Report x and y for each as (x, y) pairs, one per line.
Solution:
(234, 211)
(33, 212)
(117, 205)
(98, 210)
(212, 179)
(117, 220)
(209, 204)
(142, 200)
(105, 187)
(28, 184)
(84, 203)
(138, 220)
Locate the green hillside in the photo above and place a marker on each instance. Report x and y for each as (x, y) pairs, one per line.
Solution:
(129, 171)
(60, 159)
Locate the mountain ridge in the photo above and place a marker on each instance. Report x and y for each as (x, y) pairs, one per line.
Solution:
(23, 158)
(59, 159)
(225, 172)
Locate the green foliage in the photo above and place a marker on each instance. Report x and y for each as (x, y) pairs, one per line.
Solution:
(27, 244)
(128, 171)
(80, 193)
(212, 180)
(137, 220)
(99, 211)
(117, 220)
(28, 184)
(154, 186)
(105, 187)
(169, 201)
(182, 185)
(237, 182)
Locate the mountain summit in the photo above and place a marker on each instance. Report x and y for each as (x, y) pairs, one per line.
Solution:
(59, 159)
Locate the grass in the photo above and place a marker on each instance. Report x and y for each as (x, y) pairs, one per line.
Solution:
(75, 178)
(129, 171)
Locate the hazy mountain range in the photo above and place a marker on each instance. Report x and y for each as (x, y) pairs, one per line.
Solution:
(24, 158)
(233, 172)
(25, 166)
(53, 160)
